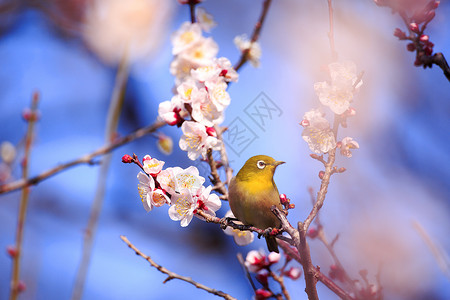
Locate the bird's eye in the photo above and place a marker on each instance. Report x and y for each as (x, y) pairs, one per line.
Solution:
(261, 164)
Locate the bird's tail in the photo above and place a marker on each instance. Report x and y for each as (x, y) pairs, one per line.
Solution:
(272, 244)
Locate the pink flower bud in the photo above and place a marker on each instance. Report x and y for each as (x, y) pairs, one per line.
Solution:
(312, 232)
(127, 159)
(424, 38)
(321, 174)
(350, 112)
(339, 144)
(261, 294)
(428, 51)
(336, 273)
(211, 131)
(418, 62)
(430, 16)
(21, 286)
(315, 156)
(414, 27)
(28, 115)
(400, 34)
(293, 273)
(12, 251)
(304, 123)
(342, 170)
(291, 206)
(263, 277)
(283, 199)
(411, 47)
(274, 257)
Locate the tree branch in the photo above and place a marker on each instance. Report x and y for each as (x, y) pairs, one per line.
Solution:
(255, 35)
(32, 118)
(86, 159)
(172, 275)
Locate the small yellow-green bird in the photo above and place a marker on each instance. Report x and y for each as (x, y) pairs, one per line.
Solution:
(252, 192)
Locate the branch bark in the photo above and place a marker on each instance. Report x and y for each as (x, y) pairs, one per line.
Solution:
(171, 275)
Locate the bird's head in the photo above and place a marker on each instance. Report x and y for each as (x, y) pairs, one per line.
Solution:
(259, 166)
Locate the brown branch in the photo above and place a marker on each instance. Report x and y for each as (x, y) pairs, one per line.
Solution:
(244, 267)
(86, 159)
(223, 154)
(112, 123)
(31, 118)
(334, 54)
(255, 35)
(171, 275)
(323, 189)
(293, 253)
(280, 281)
(299, 239)
(219, 186)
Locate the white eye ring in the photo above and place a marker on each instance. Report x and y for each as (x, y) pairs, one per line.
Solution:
(261, 164)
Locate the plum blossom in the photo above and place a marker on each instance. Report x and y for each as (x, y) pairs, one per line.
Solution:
(182, 208)
(241, 237)
(218, 94)
(152, 166)
(255, 261)
(293, 273)
(205, 20)
(317, 132)
(172, 180)
(196, 141)
(347, 144)
(186, 37)
(339, 94)
(254, 54)
(136, 28)
(150, 196)
(169, 111)
(165, 144)
(202, 53)
(186, 204)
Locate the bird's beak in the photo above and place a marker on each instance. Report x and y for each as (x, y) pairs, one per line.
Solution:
(277, 163)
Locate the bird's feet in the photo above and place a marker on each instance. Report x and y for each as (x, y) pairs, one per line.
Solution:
(270, 232)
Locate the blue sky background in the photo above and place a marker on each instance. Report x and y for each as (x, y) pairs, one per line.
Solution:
(398, 176)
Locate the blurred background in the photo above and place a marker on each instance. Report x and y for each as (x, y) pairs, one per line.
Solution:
(69, 52)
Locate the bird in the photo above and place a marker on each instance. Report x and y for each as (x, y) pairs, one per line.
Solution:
(252, 192)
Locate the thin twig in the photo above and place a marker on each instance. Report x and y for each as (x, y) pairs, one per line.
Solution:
(85, 159)
(255, 35)
(24, 198)
(192, 4)
(171, 275)
(280, 281)
(244, 267)
(334, 54)
(112, 123)
(323, 189)
(218, 184)
(223, 154)
(292, 252)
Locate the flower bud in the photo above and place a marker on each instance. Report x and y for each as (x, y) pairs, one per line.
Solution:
(414, 27)
(261, 294)
(263, 277)
(12, 251)
(211, 131)
(342, 170)
(127, 159)
(430, 16)
(293, 273)
(283, 199)
(274, 257)
(350, 112)
(165, 144)
(312, 232)
(7, 152)
(424, 38)
(321, 174)
(400, 34)
(304, 123)
(411, 47)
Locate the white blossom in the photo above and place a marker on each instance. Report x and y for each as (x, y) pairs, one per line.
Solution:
(346, 145)
(205, 20)
(196, 141)
(150, 196)
(186, 37)
(241, 237)
(339, 94)
(317, 133)
(254, 54)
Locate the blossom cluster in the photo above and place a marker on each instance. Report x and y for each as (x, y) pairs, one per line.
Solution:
(182, 189)
(420, 14)
(259, 263)
(201, 81)
(336, 94)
